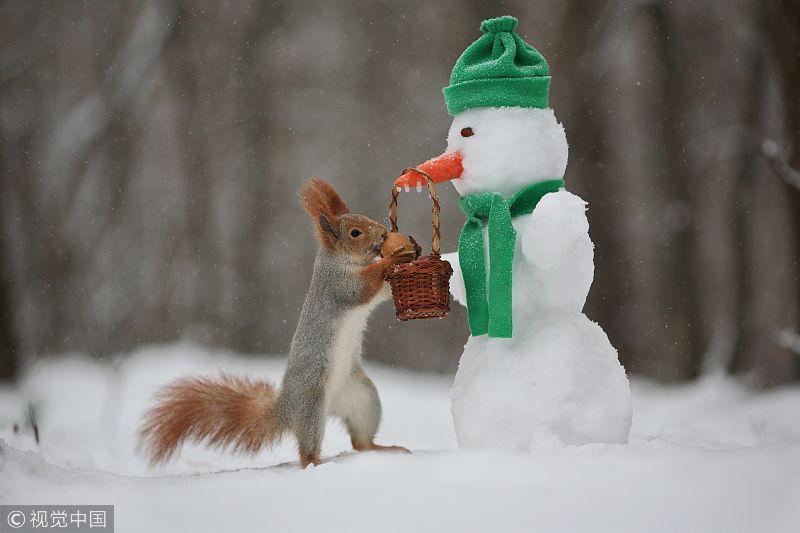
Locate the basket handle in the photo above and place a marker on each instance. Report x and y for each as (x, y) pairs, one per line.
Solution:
(437, 236)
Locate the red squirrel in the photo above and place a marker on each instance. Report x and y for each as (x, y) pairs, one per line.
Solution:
(324, 376)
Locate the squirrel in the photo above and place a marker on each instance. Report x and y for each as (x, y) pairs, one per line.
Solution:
(324, 376)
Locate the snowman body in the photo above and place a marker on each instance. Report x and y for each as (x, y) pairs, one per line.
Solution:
(557, 381)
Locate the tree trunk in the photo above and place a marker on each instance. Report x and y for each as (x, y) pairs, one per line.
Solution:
(679, 293)
(783, 25)
(8, 340)
(764, 308)
(589, 175)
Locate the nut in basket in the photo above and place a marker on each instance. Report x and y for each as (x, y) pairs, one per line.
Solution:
(420, 288)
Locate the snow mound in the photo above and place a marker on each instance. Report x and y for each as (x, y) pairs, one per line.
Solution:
(557, 384)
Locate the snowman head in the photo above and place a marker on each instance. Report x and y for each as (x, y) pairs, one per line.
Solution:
(504, 136)
(498, 149)
(503, 149)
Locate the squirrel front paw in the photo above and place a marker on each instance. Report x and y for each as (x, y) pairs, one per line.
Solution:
(400, 255)
(399, 248)
(417, 247)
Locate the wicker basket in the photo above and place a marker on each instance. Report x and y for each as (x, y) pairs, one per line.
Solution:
(421, 288)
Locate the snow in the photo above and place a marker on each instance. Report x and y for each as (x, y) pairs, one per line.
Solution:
(706, 456)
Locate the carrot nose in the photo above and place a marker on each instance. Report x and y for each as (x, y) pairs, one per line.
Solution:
(442, 168)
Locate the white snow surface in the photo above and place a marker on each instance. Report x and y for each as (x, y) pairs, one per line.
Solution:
(703, 457)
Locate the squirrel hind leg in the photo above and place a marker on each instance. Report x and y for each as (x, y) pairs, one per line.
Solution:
(309, 459)
(359, 407)
(370, 446)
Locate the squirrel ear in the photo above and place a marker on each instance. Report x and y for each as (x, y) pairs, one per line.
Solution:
(335, 203)
(312, 201)
(316, 205)
(326, 227)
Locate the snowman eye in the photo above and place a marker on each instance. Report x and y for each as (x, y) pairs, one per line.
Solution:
(467, 132)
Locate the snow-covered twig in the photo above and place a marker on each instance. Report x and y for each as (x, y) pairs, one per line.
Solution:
(720, 351)
(779, 163)
(33, 422)
(789, 339)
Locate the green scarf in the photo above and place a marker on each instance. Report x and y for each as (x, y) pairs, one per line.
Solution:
(491, 313)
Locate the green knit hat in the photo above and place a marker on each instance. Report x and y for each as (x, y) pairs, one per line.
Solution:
(498, 70)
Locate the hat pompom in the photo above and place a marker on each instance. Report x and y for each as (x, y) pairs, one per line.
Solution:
(496, 25)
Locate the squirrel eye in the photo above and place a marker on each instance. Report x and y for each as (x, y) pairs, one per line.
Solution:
(467, 132)
(355, 233)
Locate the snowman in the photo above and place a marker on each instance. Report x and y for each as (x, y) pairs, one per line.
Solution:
(536, 373)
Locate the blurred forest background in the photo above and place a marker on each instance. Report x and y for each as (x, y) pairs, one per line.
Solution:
(150, 153)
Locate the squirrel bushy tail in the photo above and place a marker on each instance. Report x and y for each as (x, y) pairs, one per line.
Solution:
(226, 412)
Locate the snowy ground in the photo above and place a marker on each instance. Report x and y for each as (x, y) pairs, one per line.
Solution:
(704, 457)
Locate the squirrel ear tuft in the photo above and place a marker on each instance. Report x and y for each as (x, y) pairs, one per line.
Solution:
(317, 203)
(311, 200)
(331, 197)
